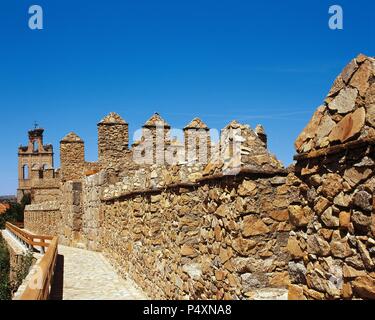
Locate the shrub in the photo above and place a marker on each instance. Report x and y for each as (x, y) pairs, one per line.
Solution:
(5, 290)
(22, 271)
(15, 213)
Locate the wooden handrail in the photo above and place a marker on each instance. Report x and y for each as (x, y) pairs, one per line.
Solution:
(18, 224)
(44, 275)
(39, 286)
(28, 238)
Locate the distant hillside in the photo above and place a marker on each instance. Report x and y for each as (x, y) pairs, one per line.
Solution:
(8, 198)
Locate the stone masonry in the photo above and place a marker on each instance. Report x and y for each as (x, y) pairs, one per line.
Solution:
(238, 225)
(333, 241)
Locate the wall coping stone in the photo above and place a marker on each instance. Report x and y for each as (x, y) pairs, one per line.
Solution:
(44, 206)
(242, 173)
(335, 149)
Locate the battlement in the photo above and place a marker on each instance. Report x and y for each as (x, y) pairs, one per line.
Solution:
(204, 218)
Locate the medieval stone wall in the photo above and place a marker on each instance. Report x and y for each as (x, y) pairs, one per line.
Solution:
(223, 238)
(240, 224)
(91, 218)
(72, 157)
(45, 218)
(333, 244)
(71, 208)
(40, 195)
(113, 140)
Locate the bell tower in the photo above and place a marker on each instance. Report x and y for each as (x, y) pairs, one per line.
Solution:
(34, 156)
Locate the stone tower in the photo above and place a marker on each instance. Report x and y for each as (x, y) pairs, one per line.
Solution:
(34, 156)
(197, 141)
(113, 139)
(156, 135)
(72, 157)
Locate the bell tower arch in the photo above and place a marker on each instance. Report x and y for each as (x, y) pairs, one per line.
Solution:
(35, 155)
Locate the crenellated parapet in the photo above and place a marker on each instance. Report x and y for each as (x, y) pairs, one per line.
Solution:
(113, 139)
(235, 224)
(197, 142)
(72, 157)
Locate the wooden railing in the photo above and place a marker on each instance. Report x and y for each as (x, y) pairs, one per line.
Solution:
(18, 224)
(30, 240)
(39, 285)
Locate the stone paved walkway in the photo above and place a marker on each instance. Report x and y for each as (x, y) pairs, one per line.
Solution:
(89, 276)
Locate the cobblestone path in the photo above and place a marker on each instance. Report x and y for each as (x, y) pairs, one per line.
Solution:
(88, 275)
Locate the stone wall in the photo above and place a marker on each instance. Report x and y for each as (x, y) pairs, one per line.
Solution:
(187, 230)
(71, 209)
(197, 141)
(45, 218)
(91, 218)
(113, 140)
(63, 217)
(241, 224)
(218, 239)
(44, 185)
(72, 157)
(333, 244)
(40, 195)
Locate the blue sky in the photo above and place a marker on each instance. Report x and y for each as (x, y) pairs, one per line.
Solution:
(269, 62)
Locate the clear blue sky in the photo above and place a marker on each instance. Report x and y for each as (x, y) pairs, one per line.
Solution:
(269, 62)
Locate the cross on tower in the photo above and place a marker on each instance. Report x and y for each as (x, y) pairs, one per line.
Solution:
(35, 125)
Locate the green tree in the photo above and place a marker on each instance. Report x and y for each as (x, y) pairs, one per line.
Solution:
(16, 212)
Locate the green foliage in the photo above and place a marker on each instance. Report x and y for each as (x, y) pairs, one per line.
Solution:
(22, 271)
(5, 290)
(8, 287)
(26, 199)
(16, 212)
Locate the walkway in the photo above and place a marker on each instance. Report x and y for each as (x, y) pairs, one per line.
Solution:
(87, 275)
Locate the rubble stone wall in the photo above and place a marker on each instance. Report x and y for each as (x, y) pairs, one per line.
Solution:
(113, 140)
(71, 208)
(239, 224)
(41, 195)
(333, 244)
(91, 219)
(72, 157)
(220, 239)
(45, 219)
